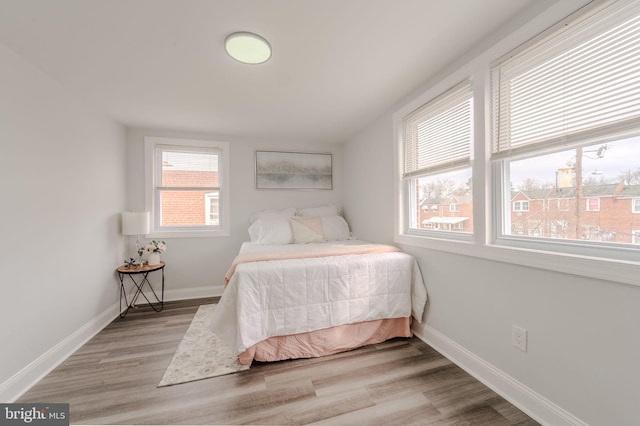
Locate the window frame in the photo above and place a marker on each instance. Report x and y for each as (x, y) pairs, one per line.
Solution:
(484, 244)
(408, 180)
(499, 159)
(152, 173)
(207, 207)
(501, 220)
(635, 205)
(588, 201)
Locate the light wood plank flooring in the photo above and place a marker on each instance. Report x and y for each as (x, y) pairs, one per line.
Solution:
(112, 380)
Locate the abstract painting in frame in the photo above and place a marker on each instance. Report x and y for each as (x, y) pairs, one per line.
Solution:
(293, 170)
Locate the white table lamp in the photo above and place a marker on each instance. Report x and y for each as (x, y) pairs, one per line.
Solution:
(136, 223)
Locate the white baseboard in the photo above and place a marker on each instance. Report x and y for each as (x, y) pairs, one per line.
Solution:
(193, 293)
(530, 402)
(24, 379)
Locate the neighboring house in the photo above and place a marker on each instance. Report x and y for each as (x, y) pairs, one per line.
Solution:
(607, 212)
(452, 213)
(189, 208)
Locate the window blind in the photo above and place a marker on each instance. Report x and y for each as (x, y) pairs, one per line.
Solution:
(186, 168)
(578, 82)
(439, 134)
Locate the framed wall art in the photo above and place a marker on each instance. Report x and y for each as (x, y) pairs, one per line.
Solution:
(293, 170)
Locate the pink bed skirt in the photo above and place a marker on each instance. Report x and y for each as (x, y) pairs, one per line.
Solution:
(327, 341)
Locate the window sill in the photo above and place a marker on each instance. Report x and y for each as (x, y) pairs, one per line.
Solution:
(187, 234)
(619, 271)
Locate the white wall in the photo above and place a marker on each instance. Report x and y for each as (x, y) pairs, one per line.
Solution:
(368, 204)
(62, 184)
(584, 334)
(196, 266)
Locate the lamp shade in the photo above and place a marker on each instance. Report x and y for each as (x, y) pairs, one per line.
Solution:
(136, 223)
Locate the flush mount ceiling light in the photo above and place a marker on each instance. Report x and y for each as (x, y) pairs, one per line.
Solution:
(248, 48)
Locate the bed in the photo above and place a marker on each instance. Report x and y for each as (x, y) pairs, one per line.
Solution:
(304, 287)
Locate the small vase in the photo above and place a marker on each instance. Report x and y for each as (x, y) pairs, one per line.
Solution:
(153, 259)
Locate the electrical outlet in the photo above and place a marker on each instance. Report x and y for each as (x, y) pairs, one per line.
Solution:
(519, 337)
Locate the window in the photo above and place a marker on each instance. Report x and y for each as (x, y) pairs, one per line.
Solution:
(436, 147)
(212, 208)
(186, 182)
(593, 204)
(565, 126)
(562, 205)
(557, 122)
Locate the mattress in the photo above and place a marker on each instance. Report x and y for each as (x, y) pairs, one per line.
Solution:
(286, 297)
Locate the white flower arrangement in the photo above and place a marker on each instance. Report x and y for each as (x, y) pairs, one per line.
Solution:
(153, 247)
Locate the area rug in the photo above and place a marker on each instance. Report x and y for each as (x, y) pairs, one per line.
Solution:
(200, 354)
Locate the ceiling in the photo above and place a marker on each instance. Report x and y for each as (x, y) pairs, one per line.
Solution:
(336, 65)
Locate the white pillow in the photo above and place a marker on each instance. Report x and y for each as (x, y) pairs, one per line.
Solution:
(307, 230)
(271, 230)
(271, 213)
(254, 231)
(328, 210)
(335, 228)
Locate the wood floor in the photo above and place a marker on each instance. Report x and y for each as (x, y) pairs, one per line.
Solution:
(112, 380)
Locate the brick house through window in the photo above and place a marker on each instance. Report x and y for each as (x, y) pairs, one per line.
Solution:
(189, 208)
(604, 213)
(452, 213)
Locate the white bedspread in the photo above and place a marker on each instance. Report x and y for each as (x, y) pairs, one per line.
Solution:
(282, 297)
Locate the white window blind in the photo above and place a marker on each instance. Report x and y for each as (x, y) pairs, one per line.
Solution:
(577, 83)
(439, 135)
(187, 167)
